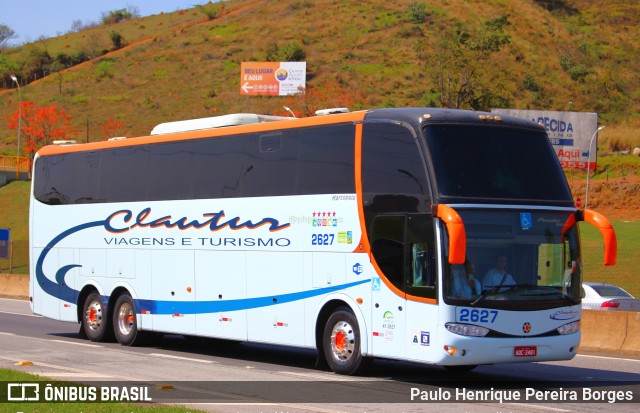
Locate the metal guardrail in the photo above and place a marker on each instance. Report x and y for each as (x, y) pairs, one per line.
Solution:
(8, 163)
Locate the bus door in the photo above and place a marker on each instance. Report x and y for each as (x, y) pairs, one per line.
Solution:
(404, 310)
(388, 313)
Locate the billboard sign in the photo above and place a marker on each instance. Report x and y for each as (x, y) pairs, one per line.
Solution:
(569, 132)
(5, 237)
(272, 78)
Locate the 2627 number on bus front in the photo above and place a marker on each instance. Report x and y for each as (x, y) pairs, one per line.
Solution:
(322, 239)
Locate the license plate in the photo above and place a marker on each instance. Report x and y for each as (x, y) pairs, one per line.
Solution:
(525, 351)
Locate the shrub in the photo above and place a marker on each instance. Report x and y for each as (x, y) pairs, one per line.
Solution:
(117, 16)
(104, 70)
(417, 12)
(116, 39)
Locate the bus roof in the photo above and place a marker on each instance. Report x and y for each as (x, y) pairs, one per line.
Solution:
(253, 123)
(214, 122)
(266, 126)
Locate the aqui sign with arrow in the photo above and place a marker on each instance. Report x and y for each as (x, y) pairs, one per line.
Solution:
(272, 78)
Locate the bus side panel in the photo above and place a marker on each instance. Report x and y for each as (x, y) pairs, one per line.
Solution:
(328, 269)
(43, 303)
(142, 268)
(68, 311)
(173, 280)
(422, 329)
(272, 280)
(93, 261)
(121, 263)
(388, 323)
(221, 277)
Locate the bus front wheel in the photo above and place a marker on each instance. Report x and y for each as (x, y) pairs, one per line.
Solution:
(125, 324)
(94, 318)
(341, 342)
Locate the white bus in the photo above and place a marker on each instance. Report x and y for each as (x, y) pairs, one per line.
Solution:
(362, 235)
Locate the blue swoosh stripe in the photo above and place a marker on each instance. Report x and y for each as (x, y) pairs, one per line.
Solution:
(60, 289)
(203, 307)
(65, 293)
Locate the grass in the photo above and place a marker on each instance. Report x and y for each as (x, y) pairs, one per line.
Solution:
(7, 375)
(14, 209)
(625, 272)
(610, 165)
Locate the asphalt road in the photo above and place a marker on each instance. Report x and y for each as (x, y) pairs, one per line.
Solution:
(225, 376)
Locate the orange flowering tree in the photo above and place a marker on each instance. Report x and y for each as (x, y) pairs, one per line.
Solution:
(323, 96)
(113, 128)
(40, 126)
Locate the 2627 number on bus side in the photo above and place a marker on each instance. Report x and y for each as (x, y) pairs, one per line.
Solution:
(475, 316)
(322, 239)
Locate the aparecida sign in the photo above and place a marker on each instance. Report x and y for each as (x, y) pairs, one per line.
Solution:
(570, 133)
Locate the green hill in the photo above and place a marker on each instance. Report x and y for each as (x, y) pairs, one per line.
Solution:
(539, 54)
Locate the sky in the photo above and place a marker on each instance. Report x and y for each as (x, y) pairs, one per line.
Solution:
(31, 19)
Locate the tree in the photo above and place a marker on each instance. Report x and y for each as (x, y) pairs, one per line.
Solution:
(323, 96)
(291, 52)
(42, 125)
(464, 68)
(417, 12)
(116, 39)
(117, 16)
(113, 128)
(211, 10)
(8, 67)
(6, 34)
(76, 25)
(36, 63)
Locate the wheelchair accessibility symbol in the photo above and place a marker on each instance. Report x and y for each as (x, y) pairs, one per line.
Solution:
(375, 284)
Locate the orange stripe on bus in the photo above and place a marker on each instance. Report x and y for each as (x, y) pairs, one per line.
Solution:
(363, 225)
(364, 245)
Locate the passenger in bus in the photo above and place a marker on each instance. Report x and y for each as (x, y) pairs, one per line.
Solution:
(463, 281)
(498, 276)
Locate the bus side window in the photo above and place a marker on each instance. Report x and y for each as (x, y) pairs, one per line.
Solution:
(387, 247)
(421, 239)
(404, 249)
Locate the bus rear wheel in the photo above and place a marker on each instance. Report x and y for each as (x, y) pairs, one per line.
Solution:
(125, 323)
(95, 318)
(341, 342)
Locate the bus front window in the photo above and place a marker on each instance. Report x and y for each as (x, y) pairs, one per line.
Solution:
(516, 260)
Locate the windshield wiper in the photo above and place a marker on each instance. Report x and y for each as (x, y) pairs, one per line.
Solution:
(555, 292)
(501, 288)
(507, 288)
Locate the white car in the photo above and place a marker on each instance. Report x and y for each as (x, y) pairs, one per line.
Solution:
(597, 296)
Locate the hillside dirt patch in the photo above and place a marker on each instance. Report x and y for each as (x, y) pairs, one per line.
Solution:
(616, 198)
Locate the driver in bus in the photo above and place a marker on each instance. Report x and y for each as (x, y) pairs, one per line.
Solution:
(498, 276)
(463, 281)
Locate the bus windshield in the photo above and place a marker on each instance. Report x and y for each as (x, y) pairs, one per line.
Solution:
(518, 260)
(491, 162)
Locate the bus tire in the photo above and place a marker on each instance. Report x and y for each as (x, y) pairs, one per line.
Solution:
(95, 319)
(125, 323)
(341, 342)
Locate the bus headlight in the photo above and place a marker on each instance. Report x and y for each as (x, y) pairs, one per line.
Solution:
(570, 328)
(467, 329)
